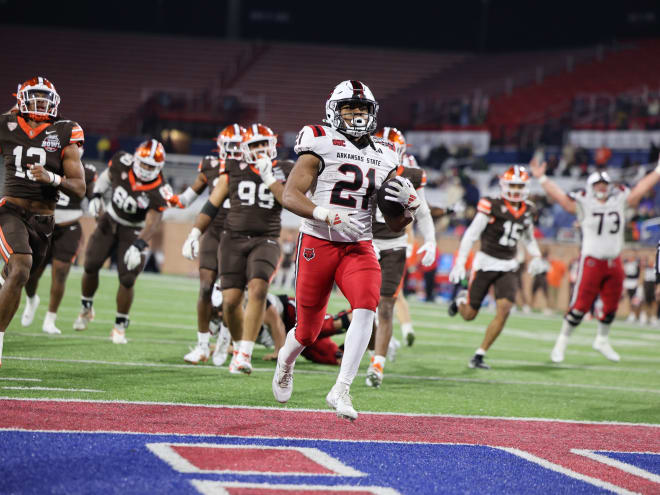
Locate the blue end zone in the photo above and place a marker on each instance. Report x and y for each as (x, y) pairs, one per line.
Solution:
(647, 462)
(36, 462)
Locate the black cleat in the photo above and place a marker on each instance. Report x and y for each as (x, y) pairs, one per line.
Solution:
(477, 361)
(453, 308)
(410, 338)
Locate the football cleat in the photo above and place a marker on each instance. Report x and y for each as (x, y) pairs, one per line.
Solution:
(374, 375)
(118, 336)
(83, 319)
(233, 365)
(244, 363)
(221, 346)
(283, 382)
(198, 353)
(602, 345)
(51, 329)
(340, 400)
(31, 304)
(461, 298)
(409, 337)
(477, 361)
(557, 354)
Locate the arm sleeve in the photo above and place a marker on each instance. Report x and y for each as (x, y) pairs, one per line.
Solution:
(103, 183)
(423, 218)
(471, 235)
(530, 242)
(188, 196)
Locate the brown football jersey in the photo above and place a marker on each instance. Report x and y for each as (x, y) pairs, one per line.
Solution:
(23, 145)
(131, 198)
(212, 168)
(379, 228)
(505, 227)
(65, 202)
(253, 208)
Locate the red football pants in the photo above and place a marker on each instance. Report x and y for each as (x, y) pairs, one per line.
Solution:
(320, 263)
(598, 277)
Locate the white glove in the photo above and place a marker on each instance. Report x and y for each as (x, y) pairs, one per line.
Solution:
(190, 248)
(536, 266)
(402, 191)
(95, 206)
(132, 258)
(376, 250)
(428, 248)
(409, 249)
(457, 273)
(340, 220)
(265, 167)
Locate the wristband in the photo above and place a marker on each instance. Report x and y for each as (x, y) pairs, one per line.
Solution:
(321, 213)
(544, 178)
(55, 179)
(141, 244)
(210, 209)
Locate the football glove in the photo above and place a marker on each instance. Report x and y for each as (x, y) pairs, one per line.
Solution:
(133, 255)
(428, 251)
(402, 191)
(265, 167)
(457, 273)
(340, 220)
(95, 206)
(190, 248)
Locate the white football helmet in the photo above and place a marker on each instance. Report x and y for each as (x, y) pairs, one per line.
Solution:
(594, 179)
(152, 154)
(351, 93)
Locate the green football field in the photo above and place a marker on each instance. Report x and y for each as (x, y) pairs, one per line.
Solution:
(430, 377)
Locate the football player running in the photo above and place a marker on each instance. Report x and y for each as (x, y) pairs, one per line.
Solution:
(500, 223)
(127, 223)
(210, 169)
(42, 157)
(64, 247)
(332, 187)
(600, 209)
(391, 253)
(249, 247)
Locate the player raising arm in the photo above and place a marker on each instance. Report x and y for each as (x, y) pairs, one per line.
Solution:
(600, 209)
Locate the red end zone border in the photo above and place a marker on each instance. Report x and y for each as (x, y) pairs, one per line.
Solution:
(553, 444)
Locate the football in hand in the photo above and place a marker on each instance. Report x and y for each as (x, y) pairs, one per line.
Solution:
(387, 207)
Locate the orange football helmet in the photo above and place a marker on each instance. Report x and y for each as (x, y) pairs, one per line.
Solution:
(149, 159)
(396, 137)
(38, 99)
(518, 177)
(257, 134)
(229, 142)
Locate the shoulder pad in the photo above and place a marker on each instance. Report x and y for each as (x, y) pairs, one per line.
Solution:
(485, 205)
(315, 139)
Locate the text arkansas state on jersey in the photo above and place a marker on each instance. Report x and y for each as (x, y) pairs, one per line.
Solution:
(131, 198)
(23, 145)
(602, 224)
(212, 168)
(348, 177)
(505, 226)
(253, 208)
(380, 229)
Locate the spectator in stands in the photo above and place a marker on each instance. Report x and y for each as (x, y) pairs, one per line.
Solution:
(602, 157)
(103, 147)
(555, 276)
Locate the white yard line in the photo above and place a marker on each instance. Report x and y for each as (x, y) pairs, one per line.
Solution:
(333, 373)
(623, 466)
(9, 379)
(57, 389)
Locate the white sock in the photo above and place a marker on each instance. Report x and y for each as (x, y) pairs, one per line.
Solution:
(203, 338)
(603, 330)
(406, 328)
(31, 300)
(355, 344)
(50, 318)
(567, 329)
(379, 360)
(2, 337)
(246, 347)
(291, 348)
(480, 352)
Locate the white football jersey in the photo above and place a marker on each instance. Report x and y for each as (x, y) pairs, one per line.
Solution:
(602, 224)
(348, 177)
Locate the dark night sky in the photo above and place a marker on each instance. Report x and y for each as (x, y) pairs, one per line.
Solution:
(440, 25)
